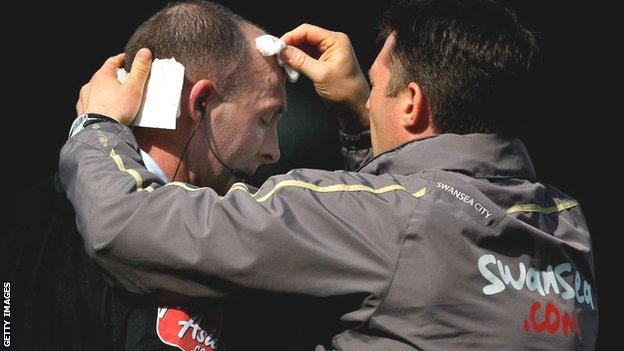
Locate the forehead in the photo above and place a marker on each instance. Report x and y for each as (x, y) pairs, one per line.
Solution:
(267, 88)
(265, 78)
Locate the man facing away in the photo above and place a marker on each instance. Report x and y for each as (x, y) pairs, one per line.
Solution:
(444, 240)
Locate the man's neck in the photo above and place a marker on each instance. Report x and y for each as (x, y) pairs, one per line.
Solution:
(167, 158)
(154, 143)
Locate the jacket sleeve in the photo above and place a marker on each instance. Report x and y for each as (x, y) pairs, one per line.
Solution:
(311, 232)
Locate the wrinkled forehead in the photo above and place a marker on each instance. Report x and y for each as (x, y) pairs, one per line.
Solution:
(264, 77)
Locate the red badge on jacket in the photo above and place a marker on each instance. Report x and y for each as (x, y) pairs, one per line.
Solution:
(196, 332)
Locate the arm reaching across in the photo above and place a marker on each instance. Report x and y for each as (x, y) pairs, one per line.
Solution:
(298, 233)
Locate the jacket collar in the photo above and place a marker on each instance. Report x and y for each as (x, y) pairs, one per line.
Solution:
(477, 155)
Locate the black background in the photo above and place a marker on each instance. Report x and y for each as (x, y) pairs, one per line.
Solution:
(51, 49)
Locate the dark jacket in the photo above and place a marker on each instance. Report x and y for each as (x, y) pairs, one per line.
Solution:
(59, 298)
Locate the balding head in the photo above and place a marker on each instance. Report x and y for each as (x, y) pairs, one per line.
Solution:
(207, 38)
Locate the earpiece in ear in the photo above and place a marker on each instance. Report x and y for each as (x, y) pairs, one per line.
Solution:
(201, 106)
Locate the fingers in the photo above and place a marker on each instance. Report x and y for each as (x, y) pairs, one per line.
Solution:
(105, 95)
(306, 33)
(304, 63)
(322, 40)
(140, 70)
(111, 65)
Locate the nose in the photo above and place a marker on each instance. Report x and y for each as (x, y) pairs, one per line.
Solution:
(270, 147)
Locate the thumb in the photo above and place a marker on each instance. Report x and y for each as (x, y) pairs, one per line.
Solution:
(303, 63)
(140, 70)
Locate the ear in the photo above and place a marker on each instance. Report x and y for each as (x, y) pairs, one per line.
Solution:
(415, 116)
(202, 98)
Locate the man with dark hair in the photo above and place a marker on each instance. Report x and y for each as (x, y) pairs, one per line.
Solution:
(231, 100)
(473, 77)
(444, 240)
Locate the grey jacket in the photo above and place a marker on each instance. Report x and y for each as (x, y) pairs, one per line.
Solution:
(447, 243)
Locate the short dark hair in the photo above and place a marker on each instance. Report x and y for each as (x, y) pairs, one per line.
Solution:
(472, 58)
(205, 37)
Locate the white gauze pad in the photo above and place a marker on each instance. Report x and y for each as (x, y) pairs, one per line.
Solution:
(269, 45)
(161, 101)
